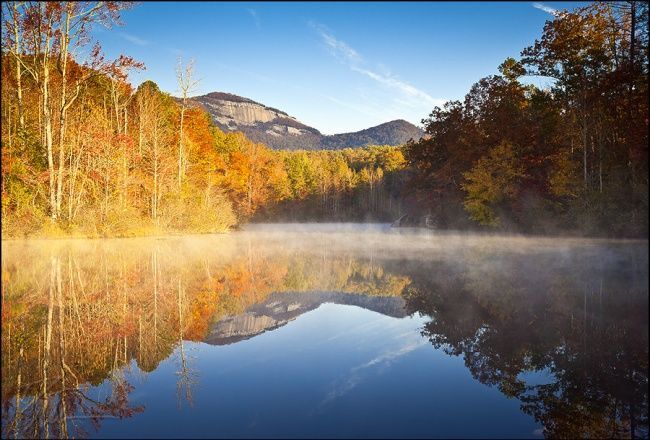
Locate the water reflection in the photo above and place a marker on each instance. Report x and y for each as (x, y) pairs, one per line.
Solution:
(78, 315)
(584, 324)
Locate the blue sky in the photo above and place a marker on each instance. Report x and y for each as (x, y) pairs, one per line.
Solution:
(335, 66)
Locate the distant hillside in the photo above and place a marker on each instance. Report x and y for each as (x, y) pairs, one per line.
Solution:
(278, 130)
(389, 133)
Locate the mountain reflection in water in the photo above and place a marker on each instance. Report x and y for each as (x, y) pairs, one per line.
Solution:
(281, 308)
(79, 318)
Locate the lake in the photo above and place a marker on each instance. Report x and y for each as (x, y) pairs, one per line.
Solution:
(325, 331)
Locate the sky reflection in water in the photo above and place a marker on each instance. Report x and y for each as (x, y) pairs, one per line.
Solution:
(327, 332)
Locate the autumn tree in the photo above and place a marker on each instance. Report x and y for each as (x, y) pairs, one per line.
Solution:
(491, 182)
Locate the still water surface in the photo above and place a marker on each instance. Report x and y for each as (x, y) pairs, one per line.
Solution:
(325, 331)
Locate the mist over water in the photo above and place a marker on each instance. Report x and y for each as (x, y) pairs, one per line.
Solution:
(326, 330)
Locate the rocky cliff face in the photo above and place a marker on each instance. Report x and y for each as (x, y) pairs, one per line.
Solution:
(243, 113)
(233, 110)
(258, 122)
(278, 130)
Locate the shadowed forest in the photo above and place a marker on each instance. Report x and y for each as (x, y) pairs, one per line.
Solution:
(84, 153)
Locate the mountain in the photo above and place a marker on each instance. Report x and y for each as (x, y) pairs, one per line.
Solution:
(395, 132)
(278, 130)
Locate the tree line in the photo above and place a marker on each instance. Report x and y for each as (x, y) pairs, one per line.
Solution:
(82, 152)
(85, 153)
(569, 157)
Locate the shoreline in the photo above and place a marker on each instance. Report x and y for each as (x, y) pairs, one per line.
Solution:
(337, 227)
(113, 237)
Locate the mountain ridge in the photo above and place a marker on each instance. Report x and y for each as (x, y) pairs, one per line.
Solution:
(280, 131)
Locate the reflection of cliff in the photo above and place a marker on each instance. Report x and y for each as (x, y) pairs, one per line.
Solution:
(247, 284)
(281, 308)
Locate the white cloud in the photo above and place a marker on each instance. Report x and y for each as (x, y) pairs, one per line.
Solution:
(337, 48)
(355, 62)
(135, 40)
(405, 88)
(542, 7)
(256, 17)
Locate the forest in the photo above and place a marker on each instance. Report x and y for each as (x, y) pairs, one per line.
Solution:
(85, 153)
(573, 157)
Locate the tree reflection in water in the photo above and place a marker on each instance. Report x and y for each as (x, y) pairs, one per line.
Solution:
(76, 313)
(80, 314)
(584, 324)
(43, 393)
